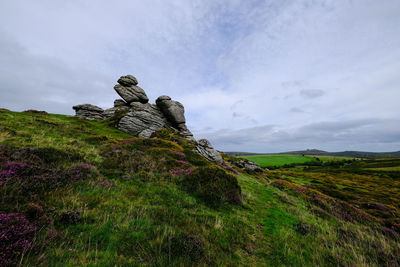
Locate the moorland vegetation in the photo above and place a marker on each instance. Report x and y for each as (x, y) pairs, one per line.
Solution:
(75, 192)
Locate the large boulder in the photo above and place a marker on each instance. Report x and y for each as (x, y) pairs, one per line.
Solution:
(131, 93)
(175, 113)
(142, 120)
(205, 149)
(89, 112)
(173, 110)
(127, 80)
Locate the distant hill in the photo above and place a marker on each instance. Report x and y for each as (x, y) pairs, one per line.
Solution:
(316, 152)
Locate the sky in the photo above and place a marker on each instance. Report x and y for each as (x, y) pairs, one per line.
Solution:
(253, 75)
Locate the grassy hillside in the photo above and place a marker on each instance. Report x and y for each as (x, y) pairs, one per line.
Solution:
(80, 193)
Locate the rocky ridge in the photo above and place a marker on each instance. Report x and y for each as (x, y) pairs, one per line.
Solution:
(138, 117)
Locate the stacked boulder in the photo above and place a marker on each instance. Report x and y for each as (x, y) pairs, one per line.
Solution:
(129, 91)
(140, 118)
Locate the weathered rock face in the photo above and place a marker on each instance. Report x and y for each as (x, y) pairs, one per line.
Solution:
(108, 113)
(120, 103)
(89, 112)
(175, 113)
(172, 109)
(142, 120)
(184, 131)
(131, 93)
(127, 80)
(205, 149)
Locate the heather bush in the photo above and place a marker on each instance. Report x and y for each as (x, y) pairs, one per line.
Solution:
(143, 155)
(23, 181)
(16, 238)
(40, 156)
(69, 217)
(212, 185)
(185, 245)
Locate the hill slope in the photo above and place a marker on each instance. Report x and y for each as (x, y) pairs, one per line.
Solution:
(83, 193)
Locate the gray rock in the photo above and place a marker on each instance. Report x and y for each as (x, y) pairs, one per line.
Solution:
(108, 113)
(127, 80)
(205, 149)
(120, 103)
(89, 112)
(131, 93)
(246, 164)
(184, 131)
(175, 113)
(142, 120)
(173, 110)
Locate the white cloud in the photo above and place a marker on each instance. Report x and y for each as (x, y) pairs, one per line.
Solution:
(233, 64)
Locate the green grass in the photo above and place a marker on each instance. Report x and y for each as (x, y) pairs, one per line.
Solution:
(278, 160)
(133, 213)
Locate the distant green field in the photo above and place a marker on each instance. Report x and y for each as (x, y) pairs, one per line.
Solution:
(282, 159)
(332, 158)
(278, 160)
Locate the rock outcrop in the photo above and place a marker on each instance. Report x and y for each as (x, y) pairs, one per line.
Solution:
(175, 113)
(89, 112)
(205, 149)
(246, 164)
(142, 120)
(136, 116)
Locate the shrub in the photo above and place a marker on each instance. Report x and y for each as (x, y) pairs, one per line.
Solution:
(170, 134)
(23, 181)
(213, 186)
(34, 111)
(185, 245)
(140, 154)
(16, 237)
(40, 155)
(70, 217)
(100, 139)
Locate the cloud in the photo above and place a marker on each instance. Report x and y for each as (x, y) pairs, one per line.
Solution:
(43, 82)
(312, 93)
(383, 135)
(297, 110)
(233, 64)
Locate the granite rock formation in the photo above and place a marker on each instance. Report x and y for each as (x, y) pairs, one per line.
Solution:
(175, 113)
(142, 120)
(89, 112)
(136, 116)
